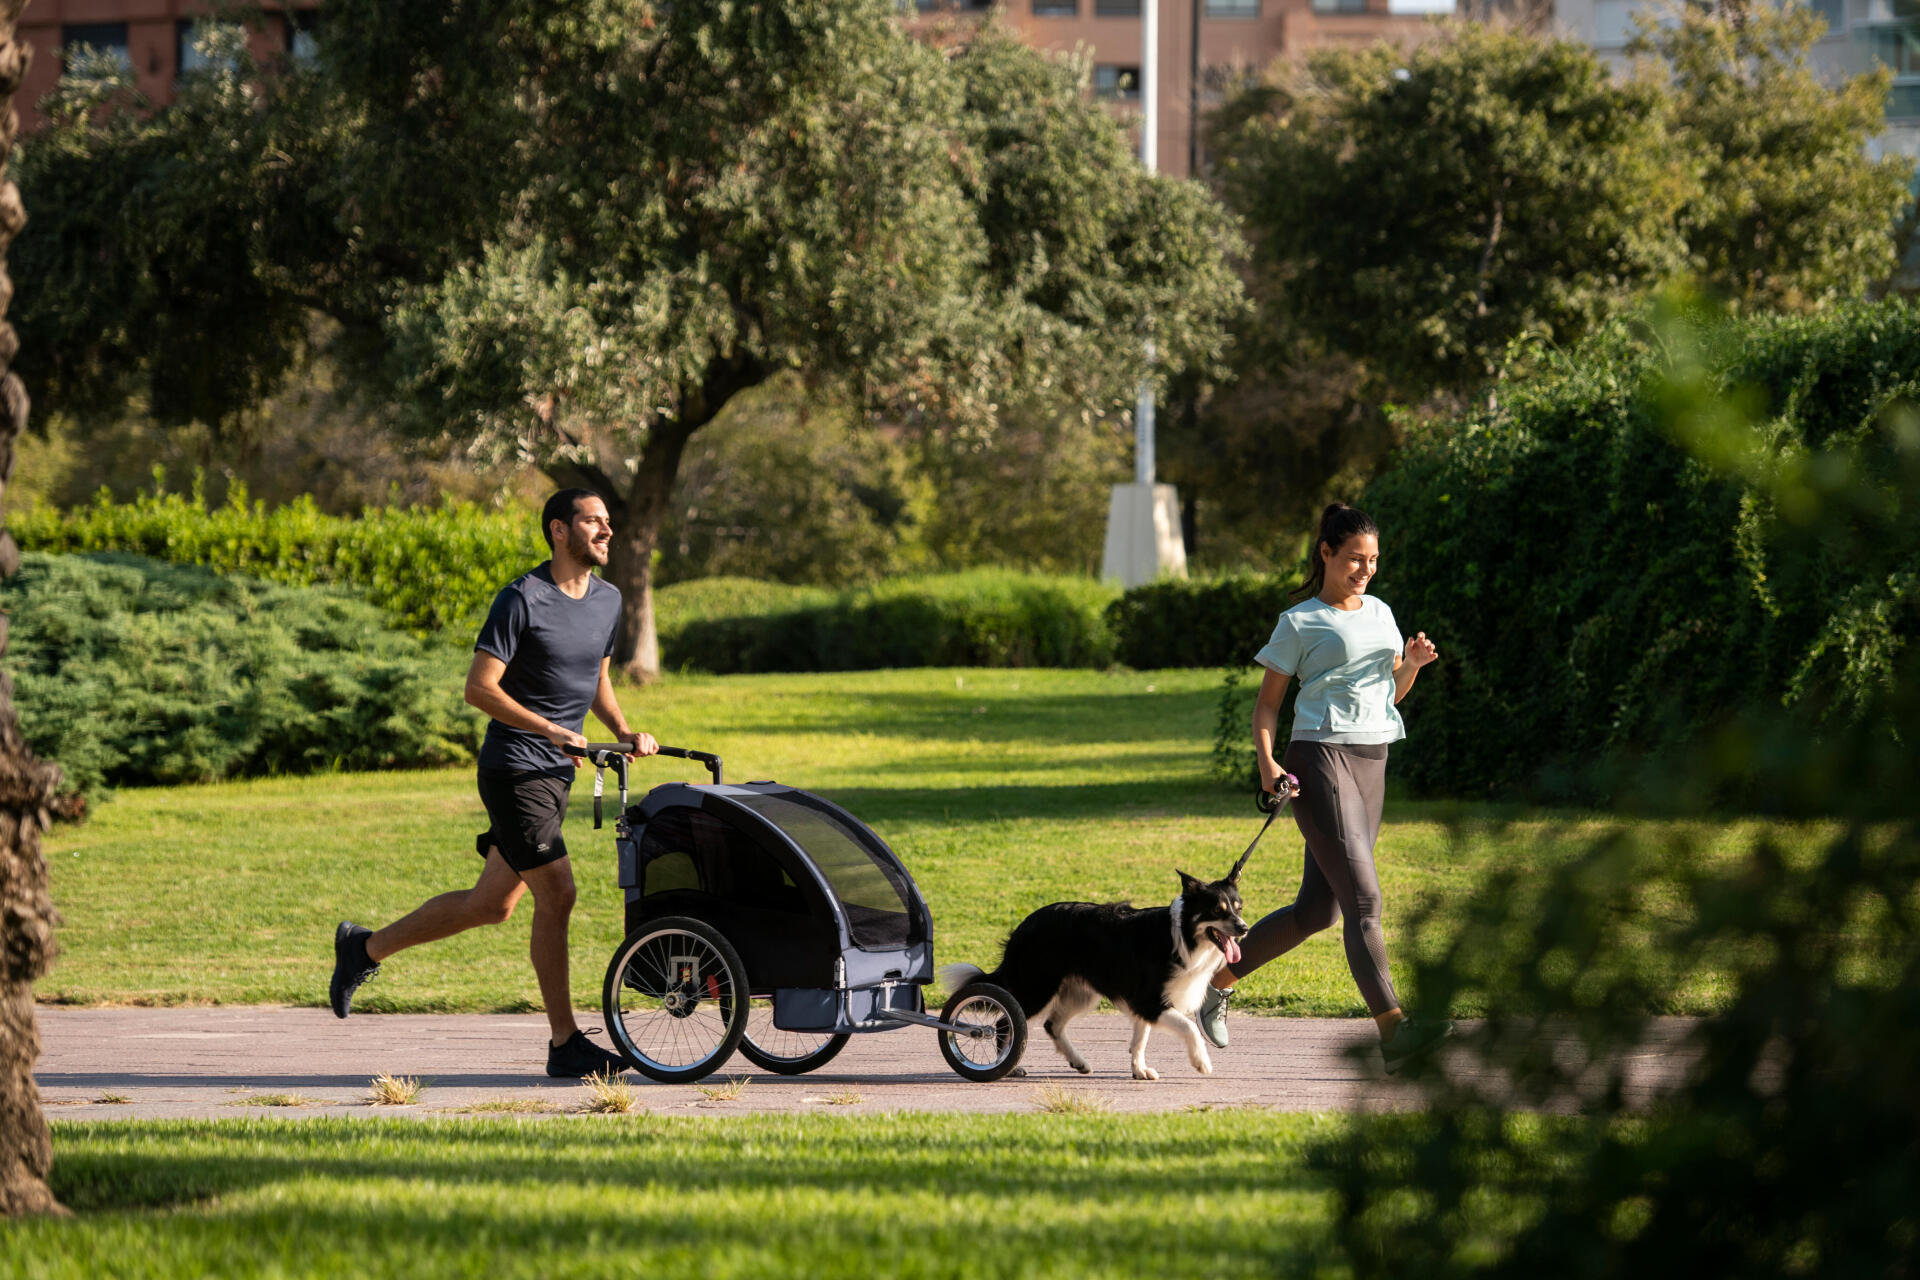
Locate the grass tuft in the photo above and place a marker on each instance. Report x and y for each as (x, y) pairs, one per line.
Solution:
(113, 1099)
(393, 1091)
(728, 1092)
(275, 1100)
(610, 1095)
(1057, 1101)
(843, 1098)
(508, 1106)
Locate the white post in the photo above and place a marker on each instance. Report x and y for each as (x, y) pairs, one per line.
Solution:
(1143, 518)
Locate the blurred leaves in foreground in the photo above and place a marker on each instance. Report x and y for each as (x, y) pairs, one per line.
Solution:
(1792, 1148)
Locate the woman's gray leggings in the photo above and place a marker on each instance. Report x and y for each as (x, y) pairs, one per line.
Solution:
(1342, 787)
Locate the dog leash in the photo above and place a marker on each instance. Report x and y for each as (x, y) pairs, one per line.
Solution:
(1271, 803)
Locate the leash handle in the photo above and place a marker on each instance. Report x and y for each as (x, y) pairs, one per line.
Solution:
(1270, 803)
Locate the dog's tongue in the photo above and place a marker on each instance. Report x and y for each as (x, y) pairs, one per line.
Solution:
(1233, 951)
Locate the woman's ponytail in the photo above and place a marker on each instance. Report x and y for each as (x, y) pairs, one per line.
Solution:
(1337, 523)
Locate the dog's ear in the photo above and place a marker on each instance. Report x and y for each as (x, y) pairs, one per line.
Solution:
(1187, 883)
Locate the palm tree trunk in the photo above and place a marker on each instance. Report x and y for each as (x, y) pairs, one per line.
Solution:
(26, 785)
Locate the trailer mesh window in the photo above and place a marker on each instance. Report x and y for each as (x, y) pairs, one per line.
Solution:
(870, 885)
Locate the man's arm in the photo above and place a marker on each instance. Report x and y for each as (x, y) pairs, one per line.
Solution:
(606, 708)
(485, 695)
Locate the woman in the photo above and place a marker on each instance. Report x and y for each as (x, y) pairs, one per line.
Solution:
(1343, 647)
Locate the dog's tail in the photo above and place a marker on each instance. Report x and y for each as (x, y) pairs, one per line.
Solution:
(955, 976)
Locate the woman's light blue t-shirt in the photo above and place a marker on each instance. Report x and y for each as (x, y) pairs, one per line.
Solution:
(1343, 659)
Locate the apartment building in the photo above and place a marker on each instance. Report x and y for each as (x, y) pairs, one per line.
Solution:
(1204, 45)
(1861, 34)
(153, 38)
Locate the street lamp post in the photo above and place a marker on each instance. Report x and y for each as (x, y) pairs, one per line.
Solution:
(1143, 518)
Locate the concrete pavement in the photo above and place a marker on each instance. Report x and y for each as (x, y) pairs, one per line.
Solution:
(223, 1062)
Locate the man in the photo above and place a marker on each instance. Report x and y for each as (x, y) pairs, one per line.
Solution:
(540, 664)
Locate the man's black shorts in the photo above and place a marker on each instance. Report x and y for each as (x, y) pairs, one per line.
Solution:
(526, 810)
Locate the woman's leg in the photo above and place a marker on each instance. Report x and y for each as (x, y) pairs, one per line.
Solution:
(1279, 932)
(1338, 811)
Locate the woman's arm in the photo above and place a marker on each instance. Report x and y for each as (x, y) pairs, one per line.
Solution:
(1266, 720)
(1420, 651)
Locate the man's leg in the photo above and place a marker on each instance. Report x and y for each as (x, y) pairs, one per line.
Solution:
(553, 895)
(490, 901)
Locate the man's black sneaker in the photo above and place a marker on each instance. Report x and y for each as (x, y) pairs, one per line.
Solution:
(580, 1057)
(1411, 1039)
(351, 966)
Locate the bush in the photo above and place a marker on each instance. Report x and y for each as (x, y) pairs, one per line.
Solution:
(130, 671)
(427, 568)
(983, 618)
(1198, 622)
(1624, 551)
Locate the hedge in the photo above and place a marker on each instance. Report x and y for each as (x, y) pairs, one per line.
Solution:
(1618, 559)
(428, 568)
(129, 671)
(1198, 622)
(984, 618)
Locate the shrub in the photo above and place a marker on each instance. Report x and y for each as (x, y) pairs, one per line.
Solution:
(130, 671)
(1198, 622)
(427, 568)
(1622, 553)
(984, 618)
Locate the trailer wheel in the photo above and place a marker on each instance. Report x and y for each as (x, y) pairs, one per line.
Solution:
(675, 999)
(1001, 1032)
(787, 1053)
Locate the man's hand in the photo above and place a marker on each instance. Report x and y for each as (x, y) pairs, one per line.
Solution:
(563, 738)
(639, 744)
(1421, 651)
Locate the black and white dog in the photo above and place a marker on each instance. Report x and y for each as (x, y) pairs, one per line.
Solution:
(1153, 964)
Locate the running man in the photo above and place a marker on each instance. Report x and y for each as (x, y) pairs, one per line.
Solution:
(539, 666)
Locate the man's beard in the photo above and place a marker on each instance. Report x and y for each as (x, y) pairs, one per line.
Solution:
(581, 548)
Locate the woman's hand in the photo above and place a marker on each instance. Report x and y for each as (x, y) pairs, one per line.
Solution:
(1421, 651)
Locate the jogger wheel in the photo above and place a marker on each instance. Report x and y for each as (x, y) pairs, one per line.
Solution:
(789, 1053)
(675, 999)
(1003, 1032)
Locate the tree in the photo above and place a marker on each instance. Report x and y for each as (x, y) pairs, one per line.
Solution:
(573, 234)
(26, 785)
(1786, 209)
(1420, 209)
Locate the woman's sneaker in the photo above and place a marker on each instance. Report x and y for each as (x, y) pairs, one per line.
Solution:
(1213, 1015)
(580, 1057)
(351, 966)
(1412, 1039)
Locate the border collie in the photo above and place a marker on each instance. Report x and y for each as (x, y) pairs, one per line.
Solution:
(1153, 964)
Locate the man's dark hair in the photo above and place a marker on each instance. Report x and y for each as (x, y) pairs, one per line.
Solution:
(562, 506)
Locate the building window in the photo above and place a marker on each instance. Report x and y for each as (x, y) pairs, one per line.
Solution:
(109, 38)
(1233, 8)
(1056, 8)
(945, 6)
(1835, 13)
(303, 26)
(1116, 8)
(1121, 84)
(1339, 6)
(1903, 103)
(189, 35)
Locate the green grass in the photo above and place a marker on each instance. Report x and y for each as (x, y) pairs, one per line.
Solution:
(1001, 789)
(1224, 1193)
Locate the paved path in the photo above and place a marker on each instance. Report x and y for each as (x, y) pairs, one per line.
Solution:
(223, 1062)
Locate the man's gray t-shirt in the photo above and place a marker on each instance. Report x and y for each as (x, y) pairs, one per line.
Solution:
(553, 646)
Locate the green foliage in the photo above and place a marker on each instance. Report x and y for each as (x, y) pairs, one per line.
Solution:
(983, 618)
(127, 671)
(1602, 594)
(428, 568)
(788, 486)
(1789, 1148)
(1787, 211)
(1421, 208)
(1198, 622)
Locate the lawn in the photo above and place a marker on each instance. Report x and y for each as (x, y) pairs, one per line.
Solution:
(1001, 789)
(1219, 1193)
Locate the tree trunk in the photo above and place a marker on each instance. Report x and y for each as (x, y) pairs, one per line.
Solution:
(26, 785)
(639, 512)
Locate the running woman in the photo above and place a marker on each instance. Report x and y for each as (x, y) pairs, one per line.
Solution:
(540, 664)
(1344, 648)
